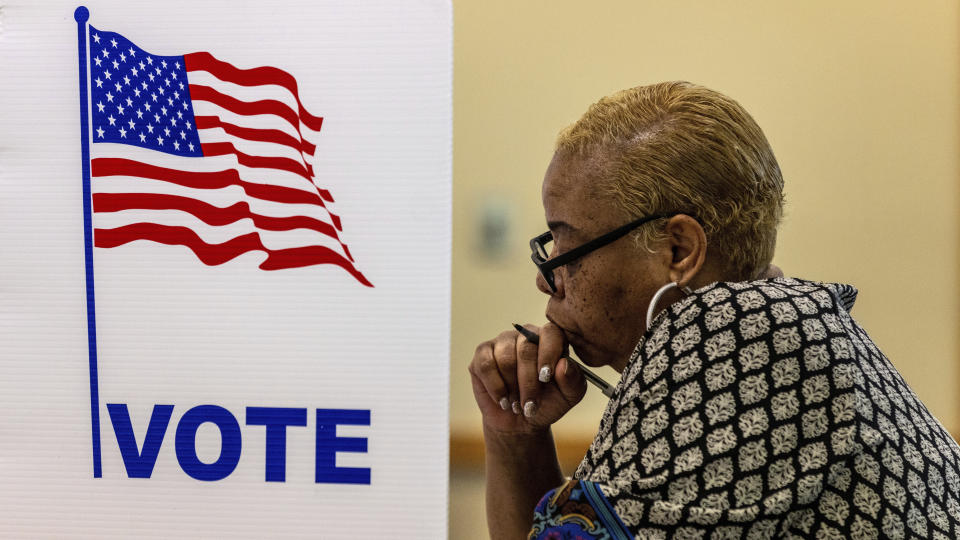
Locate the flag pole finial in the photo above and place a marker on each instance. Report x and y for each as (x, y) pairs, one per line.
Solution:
(81, 14)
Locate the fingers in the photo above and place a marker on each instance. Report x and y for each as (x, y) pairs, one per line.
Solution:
(513, 373)
(552, 346)
(505, 352)
(484, 401)
(484, 369)
(570, 381)
(527, 374)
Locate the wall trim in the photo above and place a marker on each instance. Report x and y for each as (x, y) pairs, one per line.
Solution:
(467, 451)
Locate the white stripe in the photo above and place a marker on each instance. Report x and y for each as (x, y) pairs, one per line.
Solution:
(246, 93)
(217, 234)
(249, 94)
(262, 121)
(256, 121)
(271, 177)
(251, 148)
(220, 198)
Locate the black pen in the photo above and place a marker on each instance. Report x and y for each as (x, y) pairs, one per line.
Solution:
(603, 385)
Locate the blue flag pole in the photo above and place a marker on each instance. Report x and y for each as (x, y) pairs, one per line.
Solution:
(82, 15)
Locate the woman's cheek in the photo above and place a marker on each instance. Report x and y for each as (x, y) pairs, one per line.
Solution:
(572, 269)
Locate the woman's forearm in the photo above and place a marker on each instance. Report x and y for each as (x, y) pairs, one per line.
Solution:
(520, 469)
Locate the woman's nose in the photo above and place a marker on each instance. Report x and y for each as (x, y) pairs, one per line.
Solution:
(544, 287)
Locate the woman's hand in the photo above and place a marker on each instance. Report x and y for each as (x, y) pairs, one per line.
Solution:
(522, 387)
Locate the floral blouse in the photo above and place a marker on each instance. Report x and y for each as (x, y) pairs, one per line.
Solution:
(761, 410)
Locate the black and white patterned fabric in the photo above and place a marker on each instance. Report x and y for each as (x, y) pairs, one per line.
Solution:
(763, 410)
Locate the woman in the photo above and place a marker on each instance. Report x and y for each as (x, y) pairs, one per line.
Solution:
(749, 405)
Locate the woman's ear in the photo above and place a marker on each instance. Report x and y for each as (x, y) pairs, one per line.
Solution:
(688, 244)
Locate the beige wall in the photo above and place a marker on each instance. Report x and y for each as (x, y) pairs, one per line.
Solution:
(860, 101)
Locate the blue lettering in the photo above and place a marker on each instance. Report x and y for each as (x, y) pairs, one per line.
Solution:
(186, 446)
(328, 444)
(276, 419)
(139, 463)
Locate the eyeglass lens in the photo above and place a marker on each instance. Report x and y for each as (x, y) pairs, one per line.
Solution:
(544, 247)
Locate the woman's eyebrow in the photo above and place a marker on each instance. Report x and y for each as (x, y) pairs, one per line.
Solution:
(560, 226)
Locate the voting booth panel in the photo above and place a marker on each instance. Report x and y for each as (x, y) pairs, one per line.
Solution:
(225, 272)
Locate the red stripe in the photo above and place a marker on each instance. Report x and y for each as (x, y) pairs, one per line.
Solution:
(199, 92)
(206, 180)
(262, 135)
(258, 162)
(216, 254)
(308, 256)
(248, 109)
(208, 213)
(203, 61)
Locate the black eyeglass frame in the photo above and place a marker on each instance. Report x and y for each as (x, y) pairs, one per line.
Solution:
(546, 265)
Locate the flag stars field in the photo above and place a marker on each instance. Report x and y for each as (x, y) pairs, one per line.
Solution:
(128, 87)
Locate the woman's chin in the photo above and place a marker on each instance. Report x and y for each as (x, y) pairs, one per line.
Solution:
(589, 355)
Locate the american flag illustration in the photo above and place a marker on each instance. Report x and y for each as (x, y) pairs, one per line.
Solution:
(192, 151)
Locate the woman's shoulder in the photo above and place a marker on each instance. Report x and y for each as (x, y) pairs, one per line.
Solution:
(725, 318)
(785, 347)
(758, 294)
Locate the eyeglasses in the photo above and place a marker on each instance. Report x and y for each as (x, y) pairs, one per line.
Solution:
(540, 247)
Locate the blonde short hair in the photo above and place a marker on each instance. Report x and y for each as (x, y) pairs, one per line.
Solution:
(676, 147)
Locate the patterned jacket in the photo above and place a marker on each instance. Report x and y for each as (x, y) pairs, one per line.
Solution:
(761, 410)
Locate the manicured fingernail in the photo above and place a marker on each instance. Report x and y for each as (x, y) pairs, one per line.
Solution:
(504, 403)
(545, 374)
(529, 408)
(516, 407)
